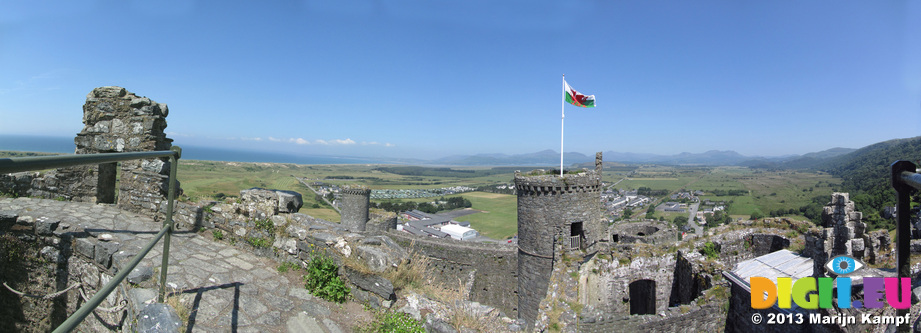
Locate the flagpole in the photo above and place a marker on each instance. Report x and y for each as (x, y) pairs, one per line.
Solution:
(562, 119)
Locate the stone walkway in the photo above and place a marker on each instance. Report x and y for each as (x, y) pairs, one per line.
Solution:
(227, 289)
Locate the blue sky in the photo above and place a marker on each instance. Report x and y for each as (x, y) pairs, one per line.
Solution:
(428, 79)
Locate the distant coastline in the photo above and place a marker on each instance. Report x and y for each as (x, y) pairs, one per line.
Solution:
(62, 145)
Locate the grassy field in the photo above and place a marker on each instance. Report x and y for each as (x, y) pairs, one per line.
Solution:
(498, 216)
(764, 191)
(206, 179)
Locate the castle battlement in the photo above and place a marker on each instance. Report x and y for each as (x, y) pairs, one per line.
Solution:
(355, 191)
(588, 181)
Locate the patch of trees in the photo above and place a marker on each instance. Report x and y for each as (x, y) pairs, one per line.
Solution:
(444, 172)
(650, 192)
(717, 218)
(426, 207)
(813, 210)
(680, 222)
(728, 193)
(782, 212)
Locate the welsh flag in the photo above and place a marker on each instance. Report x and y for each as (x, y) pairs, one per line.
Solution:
(575, 98)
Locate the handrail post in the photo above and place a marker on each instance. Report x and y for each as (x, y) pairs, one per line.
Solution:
(903, 224)
(171, 197)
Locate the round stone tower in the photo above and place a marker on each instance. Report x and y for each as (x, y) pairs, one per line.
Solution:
(354, 208)
(554, 212)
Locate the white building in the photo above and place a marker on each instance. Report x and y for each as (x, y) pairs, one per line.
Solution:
(459, 232)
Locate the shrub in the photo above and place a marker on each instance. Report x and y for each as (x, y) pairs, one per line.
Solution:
(217, 234)
(323, 279)
(258, 242)
(265, 225)
(710, 250)
(396, 322)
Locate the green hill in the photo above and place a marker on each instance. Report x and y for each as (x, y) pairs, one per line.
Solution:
(866, 174)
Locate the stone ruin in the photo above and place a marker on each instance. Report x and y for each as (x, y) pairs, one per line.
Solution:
(649, 232)
(844, 233)
(115, 120)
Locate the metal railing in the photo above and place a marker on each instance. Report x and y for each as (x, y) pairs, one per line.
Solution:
(10, 165)
(905, 180)
(575, 242)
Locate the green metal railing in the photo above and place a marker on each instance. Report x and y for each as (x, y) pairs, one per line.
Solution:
(10, 165)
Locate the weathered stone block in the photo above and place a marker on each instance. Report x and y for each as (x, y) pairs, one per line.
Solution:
(367, 298)
(7, 219)
(857, 245)
(158, 317)
(377, 260)
(121, 259)
(85, 247)
(140, 274)
(104, 252)
(322, 239)
(289, 201)
(140, 297)
(373, 283)
(25, 220)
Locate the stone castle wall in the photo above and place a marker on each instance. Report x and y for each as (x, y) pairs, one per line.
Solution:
(491, 267)
(548, 205)
(381, 221)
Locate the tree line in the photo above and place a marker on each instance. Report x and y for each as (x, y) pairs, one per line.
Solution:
(426, 207)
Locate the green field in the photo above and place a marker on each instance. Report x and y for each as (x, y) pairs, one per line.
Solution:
(207, 179)
(763, 190)
(498, 216)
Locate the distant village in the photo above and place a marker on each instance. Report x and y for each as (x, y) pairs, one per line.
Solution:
(614, 201)
(323, 188)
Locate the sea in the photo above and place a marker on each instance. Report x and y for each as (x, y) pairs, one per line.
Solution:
(63, 145)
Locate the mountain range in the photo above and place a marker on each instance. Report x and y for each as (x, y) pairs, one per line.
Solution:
(713, 157)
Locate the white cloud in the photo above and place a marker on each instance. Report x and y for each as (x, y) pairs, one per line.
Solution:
(302, 141)
(388, 144)
(344, 142)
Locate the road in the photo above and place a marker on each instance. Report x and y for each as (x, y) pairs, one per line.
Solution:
(692, 209)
